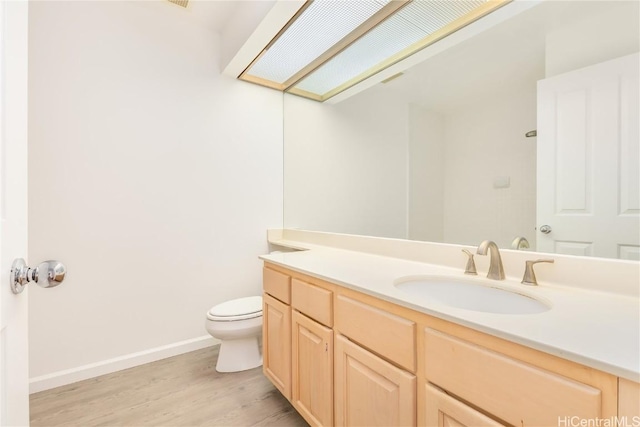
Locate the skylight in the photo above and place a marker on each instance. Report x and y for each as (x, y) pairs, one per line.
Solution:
(331, 45)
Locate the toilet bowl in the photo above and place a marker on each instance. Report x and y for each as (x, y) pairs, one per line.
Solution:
(238, 325)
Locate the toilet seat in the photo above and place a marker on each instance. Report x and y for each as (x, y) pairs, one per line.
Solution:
(237, 309)
(237, 324)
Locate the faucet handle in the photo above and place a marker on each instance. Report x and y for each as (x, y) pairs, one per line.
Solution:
(471, 265)
(529, 277)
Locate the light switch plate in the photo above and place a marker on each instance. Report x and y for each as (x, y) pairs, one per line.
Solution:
(502, 182)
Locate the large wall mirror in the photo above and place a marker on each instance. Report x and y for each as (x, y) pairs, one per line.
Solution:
(532, 122)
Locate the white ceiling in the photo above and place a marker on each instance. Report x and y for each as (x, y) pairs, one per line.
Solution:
(211, 14)
(214, 14)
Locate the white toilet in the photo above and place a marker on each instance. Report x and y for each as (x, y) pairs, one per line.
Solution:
(238, 325)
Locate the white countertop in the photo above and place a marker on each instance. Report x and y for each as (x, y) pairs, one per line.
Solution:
(596, 329)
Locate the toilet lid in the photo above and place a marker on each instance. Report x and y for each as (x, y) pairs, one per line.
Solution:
(237, 309)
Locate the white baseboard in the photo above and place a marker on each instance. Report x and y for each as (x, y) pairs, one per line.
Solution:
(68, 376)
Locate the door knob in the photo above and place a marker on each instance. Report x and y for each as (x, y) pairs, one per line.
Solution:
(545, 229)
(47, 274)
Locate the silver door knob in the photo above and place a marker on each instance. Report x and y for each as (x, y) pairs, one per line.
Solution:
(545, 229)
(48, 274)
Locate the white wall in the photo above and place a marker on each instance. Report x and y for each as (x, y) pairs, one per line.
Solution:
(375, 165)
(426, 174)
(454, 159)
(151, 177)
(487, 140)
(603, 35)
(346, 165)
(241, 25)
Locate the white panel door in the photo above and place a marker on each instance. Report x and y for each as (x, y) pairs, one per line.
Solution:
(14, 378)
(588, 161)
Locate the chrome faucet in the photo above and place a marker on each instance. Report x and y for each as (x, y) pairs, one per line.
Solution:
(496, 271)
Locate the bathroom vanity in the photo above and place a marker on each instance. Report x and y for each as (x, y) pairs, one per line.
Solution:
(348, 347)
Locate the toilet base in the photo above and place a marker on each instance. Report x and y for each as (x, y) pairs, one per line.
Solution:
(239, 355)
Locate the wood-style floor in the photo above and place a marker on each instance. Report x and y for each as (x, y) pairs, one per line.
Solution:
(183, 390)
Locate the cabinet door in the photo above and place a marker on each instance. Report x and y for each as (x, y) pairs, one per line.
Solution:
(312, 370)
(629, 400)
(276, 343)
(370, 391)
(443, 410)
(487, 380)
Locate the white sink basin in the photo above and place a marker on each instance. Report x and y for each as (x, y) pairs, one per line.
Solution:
(470, 295)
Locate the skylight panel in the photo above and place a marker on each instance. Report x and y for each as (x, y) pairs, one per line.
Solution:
(300, 44)
(331, 45)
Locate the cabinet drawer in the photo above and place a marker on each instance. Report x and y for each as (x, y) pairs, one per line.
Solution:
(276, 284)
(313, 301)
(388, 335)
(443, 410)
(506, 388)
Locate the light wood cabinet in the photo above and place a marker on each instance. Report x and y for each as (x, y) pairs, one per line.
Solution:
(536, 396)
(312, 301)
(387, 365)
(276, 343)
(391, 336)
(446, 411)
(370, 391)
(277, 284)
(629, 403)
(312, 370)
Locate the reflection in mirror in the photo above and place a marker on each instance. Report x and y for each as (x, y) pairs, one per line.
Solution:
(446, 153)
